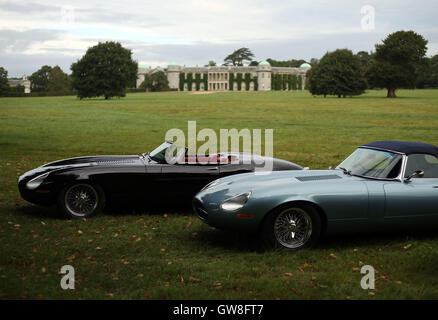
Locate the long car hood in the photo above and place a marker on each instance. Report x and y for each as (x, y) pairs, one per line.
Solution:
(79, 162)
(96, 160)
(299, 181)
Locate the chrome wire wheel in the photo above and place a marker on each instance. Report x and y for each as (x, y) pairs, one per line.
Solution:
(81, 200)
(293, 228)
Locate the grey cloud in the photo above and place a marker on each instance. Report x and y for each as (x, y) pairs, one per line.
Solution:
(84, 14)
(18, 41)
(23, 8)
(22, 64)
(99, 15)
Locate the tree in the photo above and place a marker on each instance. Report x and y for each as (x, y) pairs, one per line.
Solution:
(159, 81)
(39, 80)
(4, 85)
(16, 91)
(365, 58)
(314, 61)
(428, 77)
(146, 85)
(287, 63)
(50, 80)
(253, 63)
(319, 80)
(338, 73)
(238, 57)
(156, 81)
(59, 82)
(105, 70)
(211, 63)
(396, 61)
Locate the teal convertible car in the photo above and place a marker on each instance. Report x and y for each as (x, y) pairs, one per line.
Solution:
(384, 184)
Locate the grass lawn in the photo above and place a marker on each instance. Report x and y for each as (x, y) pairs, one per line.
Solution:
(172, 255)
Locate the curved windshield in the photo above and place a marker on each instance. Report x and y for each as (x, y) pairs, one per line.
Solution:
(373, 163)
(159, 153)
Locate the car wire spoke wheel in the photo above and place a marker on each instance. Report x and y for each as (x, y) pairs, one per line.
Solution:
(293, 228)
(81, 200)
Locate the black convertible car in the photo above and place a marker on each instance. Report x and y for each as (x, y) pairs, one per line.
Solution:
(82, 186)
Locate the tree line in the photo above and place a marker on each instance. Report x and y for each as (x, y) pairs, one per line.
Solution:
(47, 81)
(398, 62)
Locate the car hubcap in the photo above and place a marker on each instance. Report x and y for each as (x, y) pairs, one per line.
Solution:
(293, 228)
(81, 199)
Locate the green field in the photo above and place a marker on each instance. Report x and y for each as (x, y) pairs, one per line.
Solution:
(172, 255)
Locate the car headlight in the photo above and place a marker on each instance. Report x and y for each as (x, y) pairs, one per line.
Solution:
(36, 182)
(236, 203)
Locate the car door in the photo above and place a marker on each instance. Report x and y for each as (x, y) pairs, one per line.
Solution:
(121, 182)
(183, 181)
(414, 201)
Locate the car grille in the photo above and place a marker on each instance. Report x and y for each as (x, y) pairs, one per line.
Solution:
(200, 210)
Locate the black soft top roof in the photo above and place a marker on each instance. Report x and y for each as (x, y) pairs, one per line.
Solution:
(405, 147)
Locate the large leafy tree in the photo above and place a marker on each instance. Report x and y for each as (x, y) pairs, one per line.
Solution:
(428, 77)
(396, 61)
(39, 80)
(4, 85)
(365, 58)
(59, 82)
(106, 69)
(314, 61)
(238, 57)
(338, 73)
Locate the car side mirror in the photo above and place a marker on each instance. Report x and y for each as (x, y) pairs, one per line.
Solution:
(416, 174)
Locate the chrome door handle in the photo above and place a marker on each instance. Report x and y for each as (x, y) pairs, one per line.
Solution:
(436, 187)
(212, 169)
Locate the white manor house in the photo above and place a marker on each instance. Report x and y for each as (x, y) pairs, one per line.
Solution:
(262, 77)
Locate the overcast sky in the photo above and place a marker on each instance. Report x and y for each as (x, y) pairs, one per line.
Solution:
(192, 32)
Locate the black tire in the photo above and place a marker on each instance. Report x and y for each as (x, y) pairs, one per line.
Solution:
(302, 221)
(81, 200)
